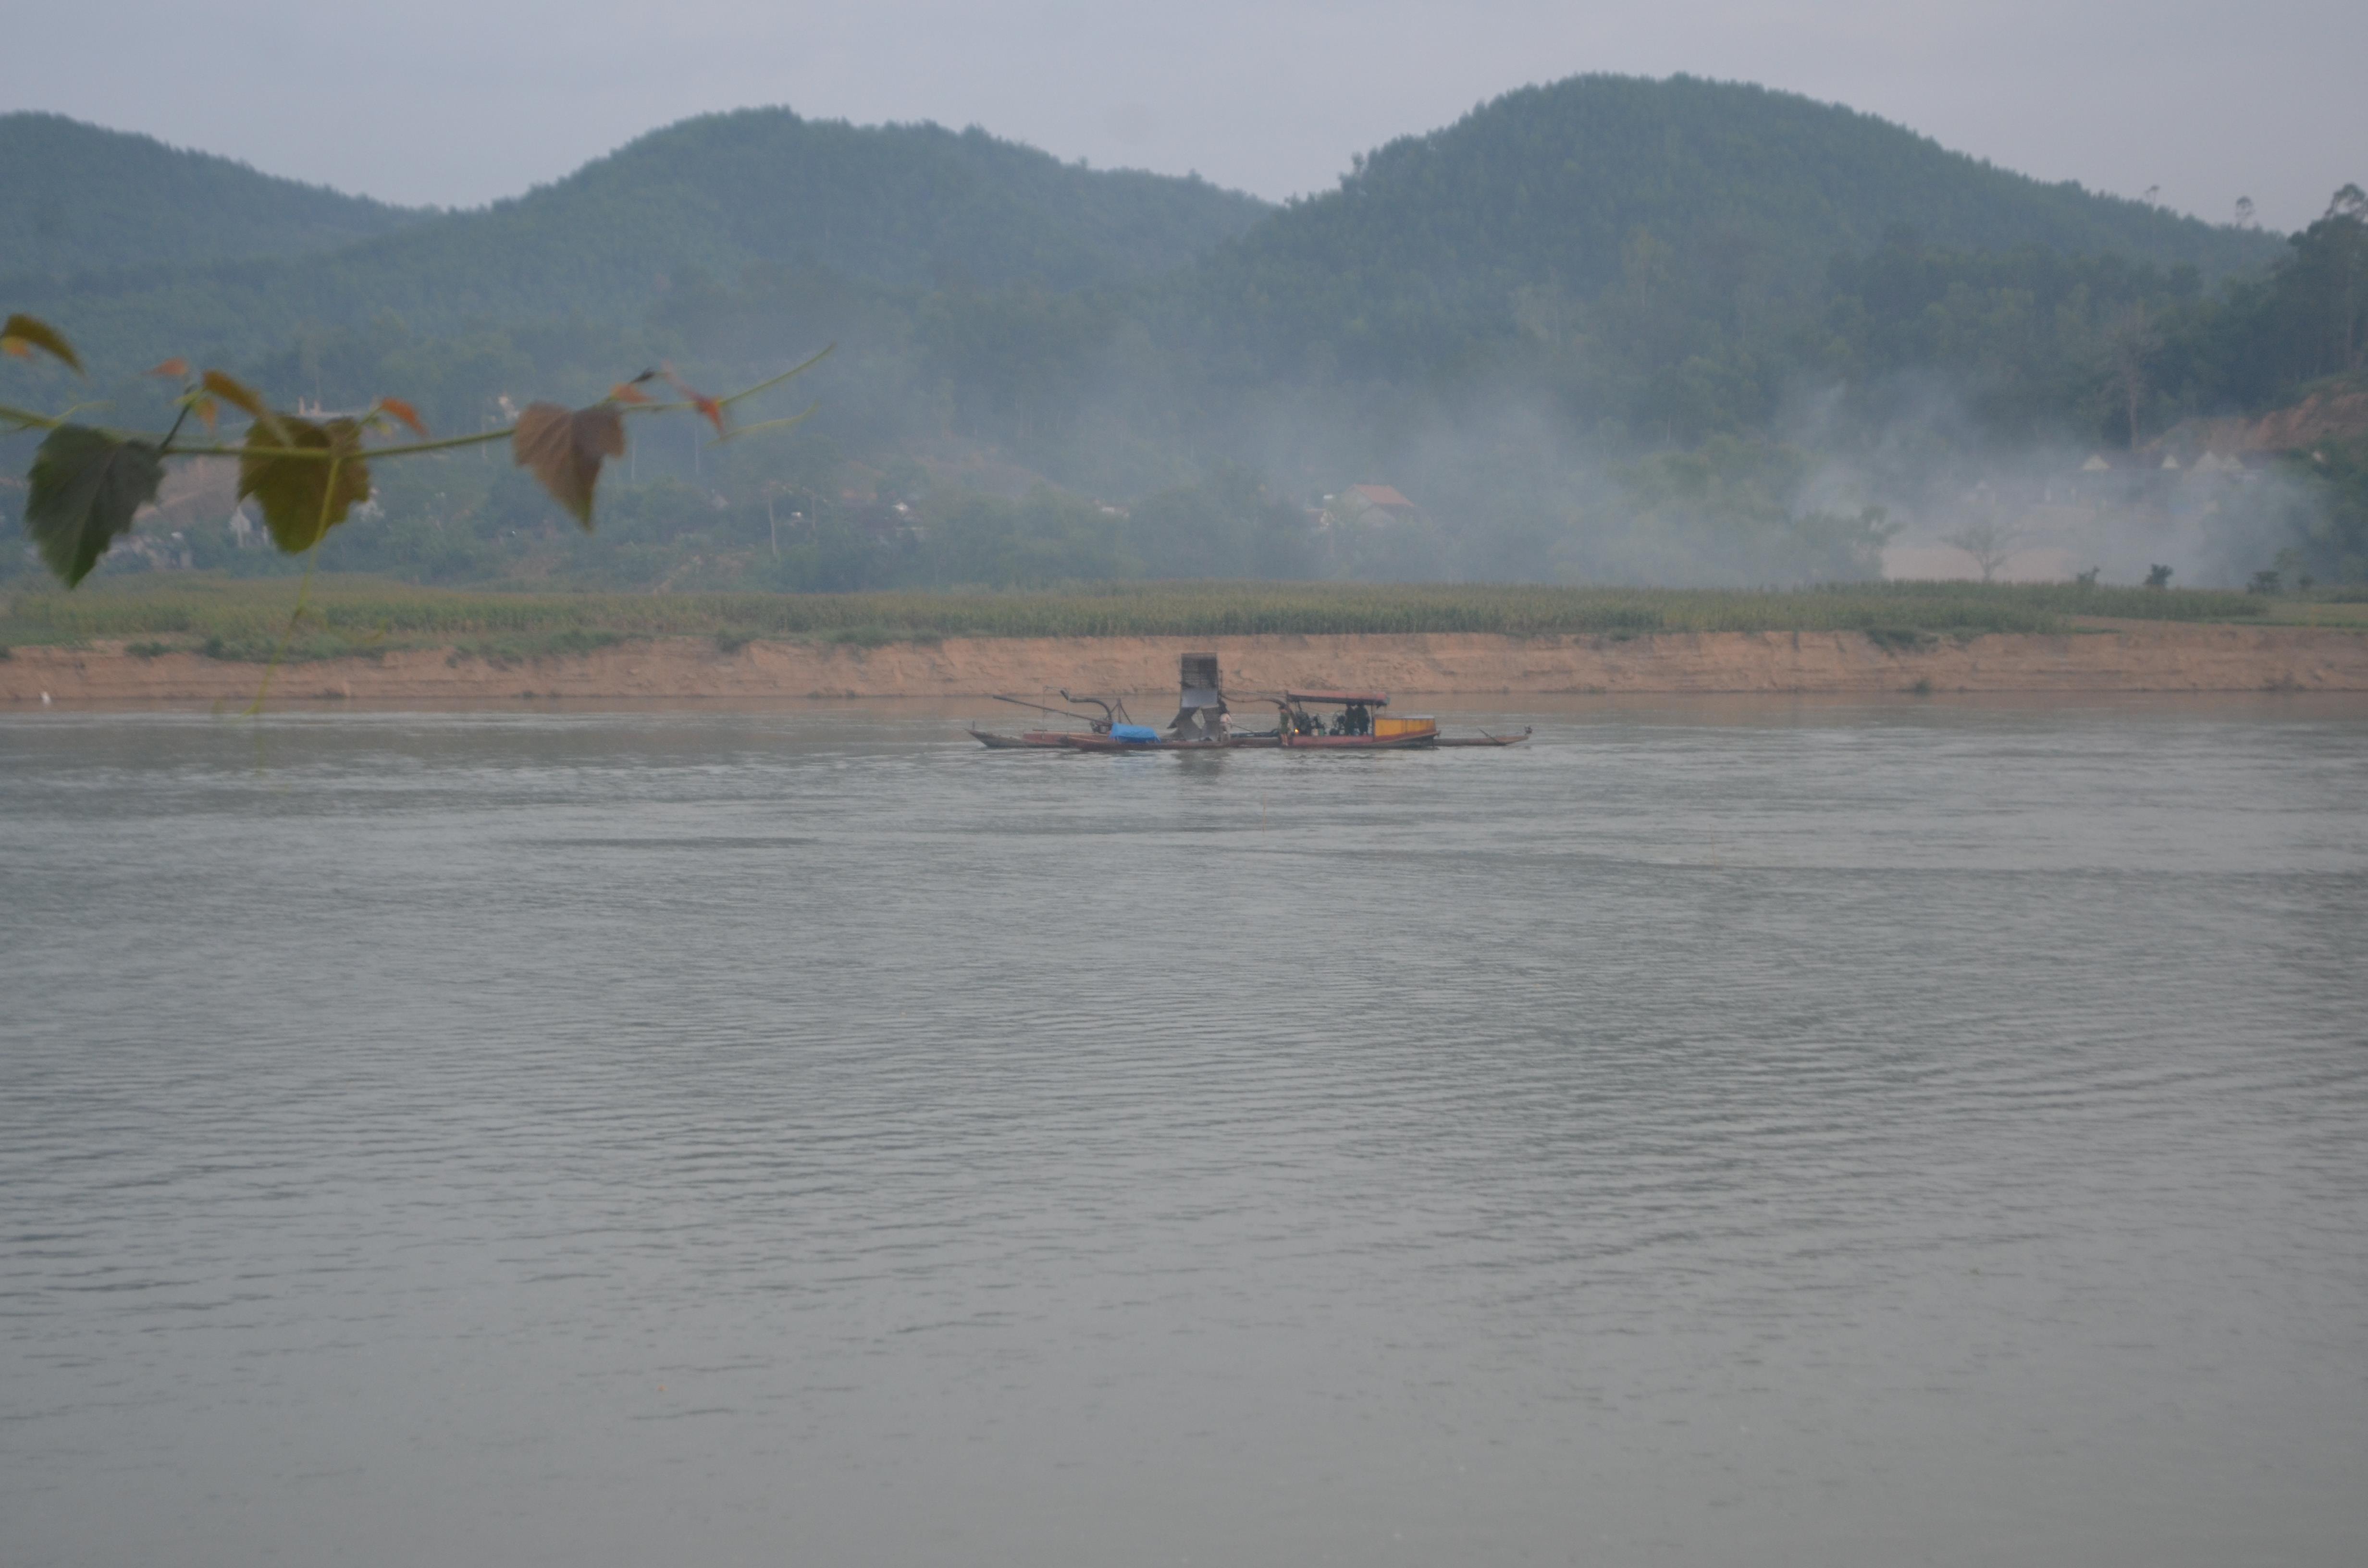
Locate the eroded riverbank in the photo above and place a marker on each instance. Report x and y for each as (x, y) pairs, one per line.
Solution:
(2132, 657)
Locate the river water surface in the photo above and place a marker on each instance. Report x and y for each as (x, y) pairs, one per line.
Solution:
(1715, 1133)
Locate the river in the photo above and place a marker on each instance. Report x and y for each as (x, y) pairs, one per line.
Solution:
(1717, 1132)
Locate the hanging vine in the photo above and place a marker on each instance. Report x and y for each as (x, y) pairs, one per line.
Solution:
(89, 481)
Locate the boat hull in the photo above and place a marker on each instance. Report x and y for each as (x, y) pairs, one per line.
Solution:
(1483, 740)
(1067, 740)
(1032, 740)
(1362, 742)
(1106, 744)
(1294, 742)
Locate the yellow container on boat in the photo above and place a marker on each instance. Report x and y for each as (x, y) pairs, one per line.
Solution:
(1403, 725)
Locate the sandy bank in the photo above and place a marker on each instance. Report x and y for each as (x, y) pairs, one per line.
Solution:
(2146, 657)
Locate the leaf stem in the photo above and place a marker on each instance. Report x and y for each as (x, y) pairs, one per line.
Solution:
(25, 418)
(303, 592)
(178, 420)
(777, 381)
(311, 558)
(29, 419)
(793, 421)
(325, 453)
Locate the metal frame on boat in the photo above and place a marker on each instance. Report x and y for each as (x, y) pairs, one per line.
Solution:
(1113, 715)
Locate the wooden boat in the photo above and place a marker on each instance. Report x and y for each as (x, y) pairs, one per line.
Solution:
(1361, 726)
(1484, 739)
(1201, 723)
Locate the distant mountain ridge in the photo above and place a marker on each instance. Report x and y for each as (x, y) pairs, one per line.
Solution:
(83, 199)
(1732, 197)
(910, 206)
(1643, 257)
(1725, 190)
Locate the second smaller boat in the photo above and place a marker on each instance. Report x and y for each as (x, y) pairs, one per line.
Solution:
(1359, 726)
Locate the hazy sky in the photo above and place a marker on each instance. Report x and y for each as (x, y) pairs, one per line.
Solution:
(456, 103)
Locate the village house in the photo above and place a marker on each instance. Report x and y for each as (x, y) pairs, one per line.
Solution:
(1369, 503)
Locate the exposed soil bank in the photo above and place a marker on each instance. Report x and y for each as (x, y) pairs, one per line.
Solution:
(2133, 657)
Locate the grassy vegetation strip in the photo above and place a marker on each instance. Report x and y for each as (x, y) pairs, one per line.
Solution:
(245, 620)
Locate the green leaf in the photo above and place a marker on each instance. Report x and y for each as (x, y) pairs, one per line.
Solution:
(565, 450)
(299, 503)
(20, 335)
(86, 487)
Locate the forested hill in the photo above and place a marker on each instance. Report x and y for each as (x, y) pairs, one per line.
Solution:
(1733, 196)
(83, 199)
(1660, 222)
(896, 204)
(703, 200)
(1572, 326)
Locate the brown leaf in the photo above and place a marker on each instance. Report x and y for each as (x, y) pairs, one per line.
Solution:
(699, 400)
(565, 450)
(299, 501)
(405, 413)
(241, 396)
(173, 369)
(21, 334)
(626, 392)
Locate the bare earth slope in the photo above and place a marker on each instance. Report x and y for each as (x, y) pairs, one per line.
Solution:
(2153, 657)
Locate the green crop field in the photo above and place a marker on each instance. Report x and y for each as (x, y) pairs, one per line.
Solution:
(246, 619)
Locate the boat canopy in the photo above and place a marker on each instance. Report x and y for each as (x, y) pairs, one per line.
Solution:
(1358, 699)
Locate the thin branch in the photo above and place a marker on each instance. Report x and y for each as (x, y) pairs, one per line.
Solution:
(311, 555)
(26, 418)
(178, 420)
(303, 592)
(777, 381)
(791, 423)
(740, 396)
(324, 453)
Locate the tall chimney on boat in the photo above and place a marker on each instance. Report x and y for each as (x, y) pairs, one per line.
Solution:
(1203, 701)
